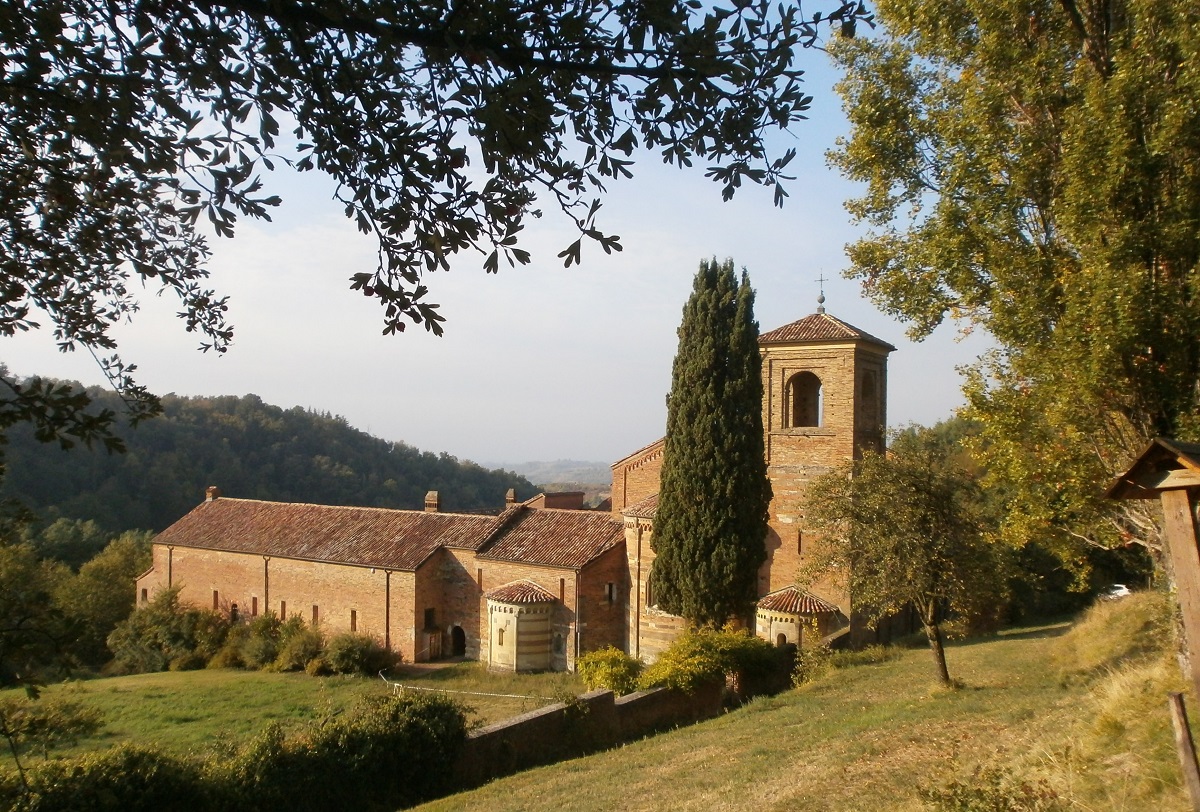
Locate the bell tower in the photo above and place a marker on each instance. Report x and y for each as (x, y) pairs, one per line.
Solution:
(824, 402)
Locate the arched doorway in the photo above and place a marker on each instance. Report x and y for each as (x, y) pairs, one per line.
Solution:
(458, 642)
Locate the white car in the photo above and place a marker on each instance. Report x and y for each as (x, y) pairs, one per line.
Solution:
(1114, 592)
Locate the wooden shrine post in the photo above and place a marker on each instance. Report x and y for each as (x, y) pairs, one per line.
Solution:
(1170, 472)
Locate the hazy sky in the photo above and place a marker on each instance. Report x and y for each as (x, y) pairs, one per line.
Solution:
(538, 362)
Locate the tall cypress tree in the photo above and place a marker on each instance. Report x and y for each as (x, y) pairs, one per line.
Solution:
(711, 523)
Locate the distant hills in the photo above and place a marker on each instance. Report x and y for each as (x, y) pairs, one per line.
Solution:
(562, 471)
(248, 448)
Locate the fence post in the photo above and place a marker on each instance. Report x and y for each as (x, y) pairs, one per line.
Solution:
(1186, 749)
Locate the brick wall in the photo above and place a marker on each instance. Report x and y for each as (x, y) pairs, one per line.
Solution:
(561, 731)
(636, 477)
(603, 619)
(851, 422)
(650, 630)
(448, 583)
(428, 642)
(461, 599)
(853, 415)
(557, 581)
(336, 590)
(564, 500)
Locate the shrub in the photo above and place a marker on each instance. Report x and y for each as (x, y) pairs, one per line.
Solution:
(610, 668)
(39, 725)
(189, 661)
(871, 655)
(703, 655)
(386, 753)
(163, 631)
(230, 654)
(351, 653)
(299, 649)
(992, 789)
(318, 667)
(261, 645)
(817, 661)
(228, 657)
(128, 778)
(812, 663)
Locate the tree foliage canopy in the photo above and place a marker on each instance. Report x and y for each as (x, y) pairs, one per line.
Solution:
(250, 449)
(34, 632)
(711, 522)
(124, 125)
(1032, 167)
(905, 529)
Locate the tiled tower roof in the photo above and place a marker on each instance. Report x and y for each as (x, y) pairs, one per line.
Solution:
(521, 592)
(819, 327)
(795, 601)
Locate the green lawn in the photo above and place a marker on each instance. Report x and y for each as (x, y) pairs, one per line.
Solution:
(866, 738)
(1077, 710)
(193, 710)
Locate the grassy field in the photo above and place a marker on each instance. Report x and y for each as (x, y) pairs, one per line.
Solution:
(193, 710)
(1074, 713)
(1081, 709)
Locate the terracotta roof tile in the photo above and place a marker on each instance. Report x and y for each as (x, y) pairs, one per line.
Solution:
(373, 537)
(521, 592)
(795, 601)
(644, 509)
(552, 537)
(819, 327)
(647, 451)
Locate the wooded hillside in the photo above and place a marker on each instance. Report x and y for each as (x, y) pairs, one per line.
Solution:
(250, 449)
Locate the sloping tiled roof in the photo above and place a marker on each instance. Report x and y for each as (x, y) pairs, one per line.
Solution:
(795, 601)
(520, 592)
(644, 509)
(819, 327)
(647, 451)
(553, 538)
(372, 537)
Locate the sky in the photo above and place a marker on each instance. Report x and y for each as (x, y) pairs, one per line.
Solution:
(538, 362)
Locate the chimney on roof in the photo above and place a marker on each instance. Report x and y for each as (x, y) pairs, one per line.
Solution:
(433, 502)
(212, 493)
(510, 498)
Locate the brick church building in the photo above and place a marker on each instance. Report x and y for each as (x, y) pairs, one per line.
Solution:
(544, 580)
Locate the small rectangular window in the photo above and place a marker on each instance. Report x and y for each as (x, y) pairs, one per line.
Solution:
(353, 620)
(430, 619)
(145, 596)
(799, 542)
(216, 601)
(479, 577)
(283, 610)
(316, 615)
(253, 607)
(562, 589)
(610, 593)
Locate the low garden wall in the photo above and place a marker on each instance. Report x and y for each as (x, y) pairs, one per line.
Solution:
(591, 722)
